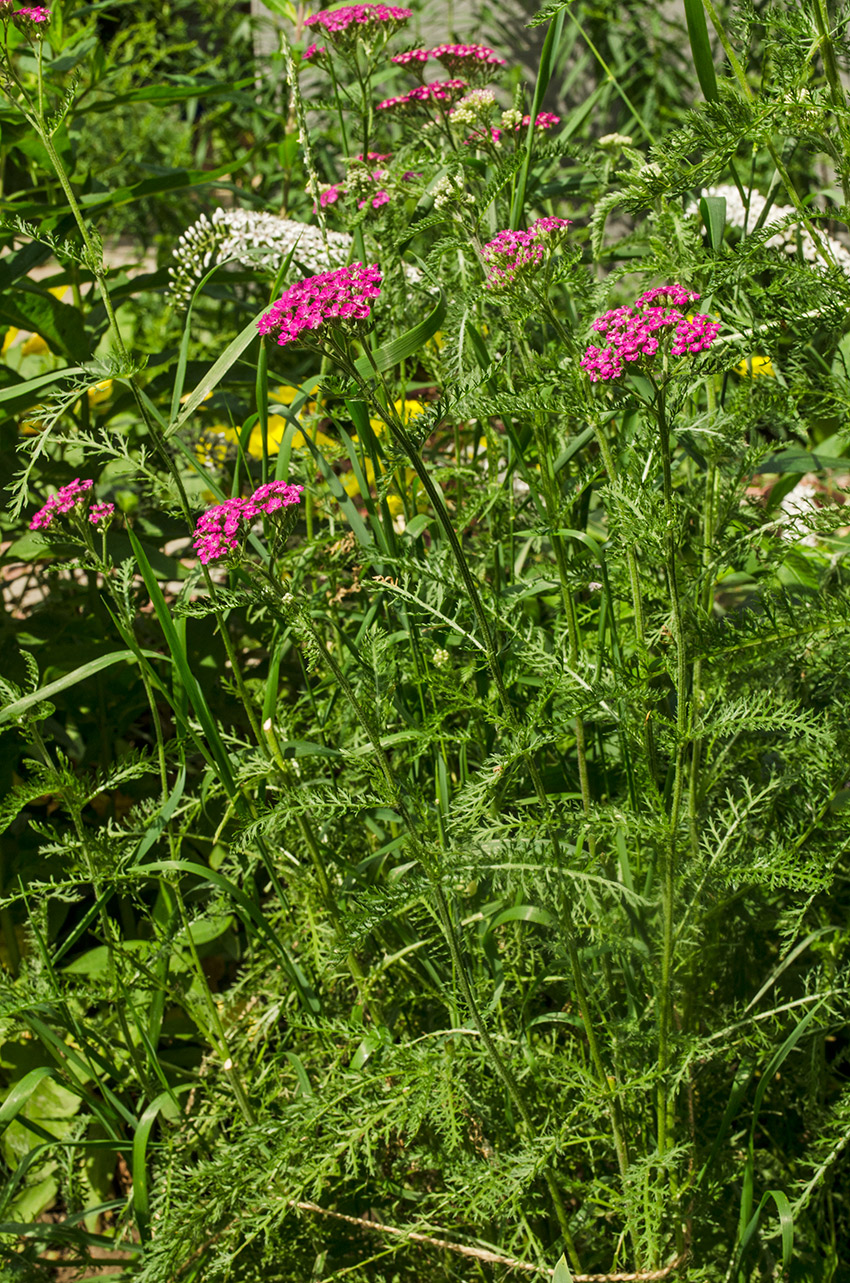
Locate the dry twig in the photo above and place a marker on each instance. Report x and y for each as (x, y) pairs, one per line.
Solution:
(481, 1254)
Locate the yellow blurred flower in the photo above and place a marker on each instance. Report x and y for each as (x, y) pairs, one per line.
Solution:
(213, 447)
(100, 392)
(755, 366)
(34, 346)
(351, 486)
(406, 410)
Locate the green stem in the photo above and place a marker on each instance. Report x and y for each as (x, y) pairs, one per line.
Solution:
(669, 854)
(233, 1075)
(707, 597)
(550, 494)
(648, 730)
(106, 926)
(502, 1069)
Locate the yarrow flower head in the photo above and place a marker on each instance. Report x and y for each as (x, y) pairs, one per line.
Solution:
(449, 190)
(658, 322)
(380, 198)
(101, 513)
(437, 91)
(367, 22)
(220, 531)
(790, 236)
(475, 62)
(543, 120)
(338, 299)
(312, 51)
(32, 18)
(410, 57)
(472, 61)
(513, 121)
(72, 499)
(473, 108)
(252, 238)
(513, 256)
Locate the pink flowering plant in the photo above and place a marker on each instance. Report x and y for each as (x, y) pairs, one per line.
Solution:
(472, 63)
(646, 337)
(74, 502)
(424, 817)
(515, 258)
(221, 531)
(323, 310)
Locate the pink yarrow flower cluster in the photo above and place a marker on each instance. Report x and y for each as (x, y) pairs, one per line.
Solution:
(658, 321)
(437, 91)
(220, 530)
(380, 198)
(331, 195)
(543, 120)
(360, 176)
(337, 298)
(459, 60)
(32, 16)
(71, 499)
(511, 256)
(343, 26)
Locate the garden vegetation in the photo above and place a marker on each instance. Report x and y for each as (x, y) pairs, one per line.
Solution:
(425, 737)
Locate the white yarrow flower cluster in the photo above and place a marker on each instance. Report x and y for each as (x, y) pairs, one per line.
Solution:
(786, 238)
(510, 119)
(250, 238)
(473, 108)
(448, 190)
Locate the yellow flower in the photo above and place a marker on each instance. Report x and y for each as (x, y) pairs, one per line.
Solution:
(755, 366)
(213, 446)
(34, 346)
(100, 392)
(406, 410)
(351, 485)
(286, 394)
(8, 339)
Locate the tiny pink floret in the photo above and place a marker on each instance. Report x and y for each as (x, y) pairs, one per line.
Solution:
(220, 530)
(634, 334)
